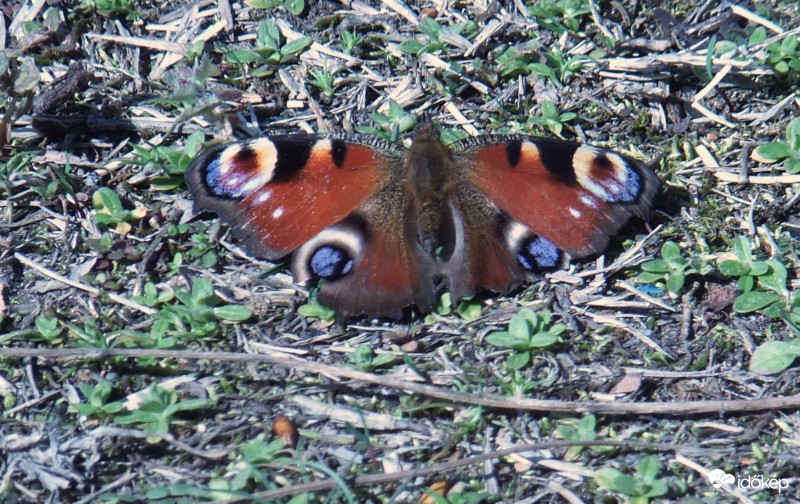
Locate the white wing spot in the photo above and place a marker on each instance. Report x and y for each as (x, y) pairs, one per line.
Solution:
(588, 200)
(264, 196)
(251, 186)
(277, 213)
(575, 213)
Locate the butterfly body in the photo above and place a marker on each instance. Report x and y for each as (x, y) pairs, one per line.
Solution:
(385, 227)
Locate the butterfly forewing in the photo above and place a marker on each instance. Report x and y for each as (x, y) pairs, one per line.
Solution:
(279, 192)
(574, 196)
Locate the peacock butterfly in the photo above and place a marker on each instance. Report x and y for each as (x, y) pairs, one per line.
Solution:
(385, 227)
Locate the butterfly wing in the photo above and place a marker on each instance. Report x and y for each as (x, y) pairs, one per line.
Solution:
(575, 196)
(331, 201)
(278, 192)
(525, 201)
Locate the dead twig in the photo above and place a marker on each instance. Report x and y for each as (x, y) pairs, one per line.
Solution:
(488, 400)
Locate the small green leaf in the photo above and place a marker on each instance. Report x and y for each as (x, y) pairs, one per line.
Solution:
(296, 7)
(675, 282)
(773, 150)
(234, 313)
(754, 300)
(295, 46)
(27, 76)
(612, 479)
(650, 277)
(519, 360)
(743, 249)
(587, 428)
(734, 268)
(542, 339)
(773, 357)
(655, 266)
(520, 327)
(469, 310)
(411, 46)
(758, 268)
(776, 279)
(202, 289)
(241, 56)
(647, 469)
(671, 251)
(506, 340)
(105, 199)
(318, 311)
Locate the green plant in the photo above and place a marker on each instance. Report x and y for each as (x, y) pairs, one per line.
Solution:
(313, 309)
(436, 39)
(152, 297)
(251, 467)
(468, 497)
(783, 56)
(584, 430)
(16, 163)
(90, 335)
(774, 356)
(551, 118)
(296, 7)
(157, 407)
(528, 332)
(202, 252)
(198, 312)
(673, 268)
(364, 359)
(640, 488)
(270, 50)
(390, 125)
(467, 308)
(110, 212)
(96, 404)
(350, 40)
(111, 8)
(768, 276)
(170, 161)
(323, 79)
(559, 16)
(49, 331)
(788, 151)
(556, 66)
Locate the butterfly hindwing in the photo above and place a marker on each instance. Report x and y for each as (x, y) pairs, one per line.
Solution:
(370, 263)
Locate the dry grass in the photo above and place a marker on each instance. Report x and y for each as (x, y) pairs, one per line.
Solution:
(125, 377)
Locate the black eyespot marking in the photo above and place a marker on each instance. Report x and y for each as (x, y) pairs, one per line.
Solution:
(329, 262)
(292, 157)
(514, 151)
(557, 158)
(338, 151)
(538, 253)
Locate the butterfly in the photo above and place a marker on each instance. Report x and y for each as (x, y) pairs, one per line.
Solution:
(386, 227)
